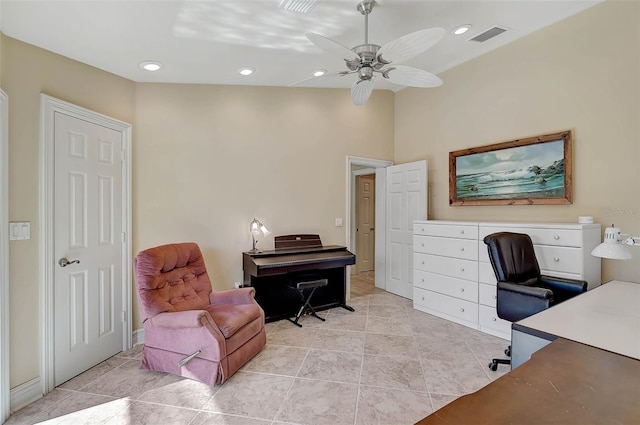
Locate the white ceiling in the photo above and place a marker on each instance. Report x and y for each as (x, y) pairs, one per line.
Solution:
(208, 41)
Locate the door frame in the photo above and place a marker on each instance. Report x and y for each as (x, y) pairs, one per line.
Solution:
(49, 106)
(5, 398)
(375, 166)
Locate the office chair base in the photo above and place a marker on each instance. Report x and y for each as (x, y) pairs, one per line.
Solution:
(495, 362)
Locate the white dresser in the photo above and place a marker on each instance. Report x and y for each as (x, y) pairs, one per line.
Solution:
(453, 277)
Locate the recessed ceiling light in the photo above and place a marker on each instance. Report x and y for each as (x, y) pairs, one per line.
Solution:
(246, 71)
(319, 72)
(460, 30)
(151, 66)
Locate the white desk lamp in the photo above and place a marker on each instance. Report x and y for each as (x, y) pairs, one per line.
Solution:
(614, 246)
(256, 227)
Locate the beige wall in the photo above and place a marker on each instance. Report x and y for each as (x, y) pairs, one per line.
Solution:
(581, 74)
(208, 159)
(28, 71)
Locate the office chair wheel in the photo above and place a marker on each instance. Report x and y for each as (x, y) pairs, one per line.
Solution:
(507, 351)
(493, 366)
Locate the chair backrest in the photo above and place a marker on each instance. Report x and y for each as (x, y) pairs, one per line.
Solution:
(512, 257)
(171, 278)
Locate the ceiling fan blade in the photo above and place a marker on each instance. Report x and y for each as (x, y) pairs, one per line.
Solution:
(312, 81)
(332, 47)
(360, 91)
(410, 45)
(410, 76)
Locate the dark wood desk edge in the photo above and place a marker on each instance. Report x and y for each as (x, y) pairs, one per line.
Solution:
(553, 387)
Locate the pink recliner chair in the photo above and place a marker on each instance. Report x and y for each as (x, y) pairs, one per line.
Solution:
(189, 330)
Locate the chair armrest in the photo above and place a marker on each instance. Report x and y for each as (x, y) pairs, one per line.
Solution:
(531, 291)
(182, 319)
(516, 302)
(567, 285)
(233, 296)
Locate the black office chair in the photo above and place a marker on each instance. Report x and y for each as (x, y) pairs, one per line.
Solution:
(522, 290)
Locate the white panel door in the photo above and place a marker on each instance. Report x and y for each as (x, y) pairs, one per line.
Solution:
(365, 222)
(88, 231)
(406, 201)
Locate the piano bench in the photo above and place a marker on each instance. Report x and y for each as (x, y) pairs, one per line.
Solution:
(306, 308)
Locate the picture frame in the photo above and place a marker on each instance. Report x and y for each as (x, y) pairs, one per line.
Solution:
(531, 171)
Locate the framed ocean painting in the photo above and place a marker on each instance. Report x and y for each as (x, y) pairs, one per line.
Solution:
(535, 170)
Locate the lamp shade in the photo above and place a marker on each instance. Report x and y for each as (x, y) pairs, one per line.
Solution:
(612, 246)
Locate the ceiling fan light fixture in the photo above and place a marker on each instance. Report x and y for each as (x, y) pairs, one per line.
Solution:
(460, 29)
(246, 71)
(319, 72)
(300, 6)
(151, 66)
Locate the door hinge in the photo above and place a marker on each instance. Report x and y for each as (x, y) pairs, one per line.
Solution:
(123, 155)
(124, 316)
(123, 237)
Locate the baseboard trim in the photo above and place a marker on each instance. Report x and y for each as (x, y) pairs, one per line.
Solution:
(25, 394)
(138, 337)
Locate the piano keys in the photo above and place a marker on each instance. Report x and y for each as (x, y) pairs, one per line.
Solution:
(296, 258)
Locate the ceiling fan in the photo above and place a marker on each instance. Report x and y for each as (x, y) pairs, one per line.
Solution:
(366, 60)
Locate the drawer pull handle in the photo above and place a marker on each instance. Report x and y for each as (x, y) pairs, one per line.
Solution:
(423, 229)
(423, 262)
(556, 259)
(461, 249)
(462, 310)
(494, 319)
(461, 289)
(462, 232)
(422, 298)
(422, 244)
(461, 269)
(556, 237)
(422, 280)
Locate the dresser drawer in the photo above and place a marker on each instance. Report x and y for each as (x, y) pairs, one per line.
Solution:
(450, 306)
(487, 294)
(448, 247)
(446, 231)
(454, 267)
(458, 288)
(486, 274)
(559, 259)
(488, 318)
(540, 235)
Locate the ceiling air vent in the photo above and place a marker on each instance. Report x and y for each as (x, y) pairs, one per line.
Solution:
(488, 34)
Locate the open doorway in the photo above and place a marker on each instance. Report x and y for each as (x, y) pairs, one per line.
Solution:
(359, 171)
(365, 212)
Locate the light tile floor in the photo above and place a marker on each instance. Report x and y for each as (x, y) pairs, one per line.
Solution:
(385, 364)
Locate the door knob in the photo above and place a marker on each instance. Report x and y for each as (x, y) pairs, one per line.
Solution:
(63, 262)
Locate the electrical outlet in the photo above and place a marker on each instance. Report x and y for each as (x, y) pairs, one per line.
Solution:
(237, 285)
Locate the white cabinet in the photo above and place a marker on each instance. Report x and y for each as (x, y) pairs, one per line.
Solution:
(454, 279)
(445, 281)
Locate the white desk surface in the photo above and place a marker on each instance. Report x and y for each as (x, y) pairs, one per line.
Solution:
(607, 317)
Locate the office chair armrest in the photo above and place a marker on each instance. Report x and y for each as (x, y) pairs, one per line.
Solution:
(516, 302)
(563, 284)
(531, 291)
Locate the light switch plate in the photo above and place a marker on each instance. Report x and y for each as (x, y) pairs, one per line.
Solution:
(339, 222)
(19, 230)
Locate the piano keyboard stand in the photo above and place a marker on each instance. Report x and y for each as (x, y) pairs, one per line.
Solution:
(306, 308)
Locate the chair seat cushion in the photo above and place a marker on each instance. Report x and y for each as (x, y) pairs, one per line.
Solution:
(232, 317)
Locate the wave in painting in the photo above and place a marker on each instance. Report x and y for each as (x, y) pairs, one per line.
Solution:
(533, 181)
